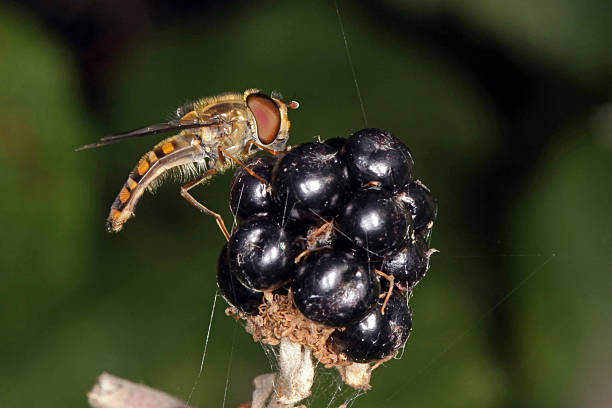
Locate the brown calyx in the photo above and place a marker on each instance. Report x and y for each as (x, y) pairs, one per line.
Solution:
(278, 317)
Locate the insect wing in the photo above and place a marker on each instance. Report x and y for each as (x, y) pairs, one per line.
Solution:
(170, 126)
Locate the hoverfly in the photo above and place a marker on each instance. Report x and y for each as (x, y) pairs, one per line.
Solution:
(216, 133)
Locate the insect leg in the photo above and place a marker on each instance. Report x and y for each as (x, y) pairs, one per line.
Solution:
(264, 148)
(222, 152)
(185, 194)
(391, 280)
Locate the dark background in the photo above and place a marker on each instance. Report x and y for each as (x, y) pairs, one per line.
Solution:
(505, 106)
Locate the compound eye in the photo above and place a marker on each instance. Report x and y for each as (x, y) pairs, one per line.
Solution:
(267, 116)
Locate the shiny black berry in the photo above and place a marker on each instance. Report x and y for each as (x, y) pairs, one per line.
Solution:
(408, 264)
(310, 181)
(374, 220)
(375, 155)
(262, 252)
(335, 288)
(248, 195)
(376, 336)
(336, 142)
(245, 299)
(421, 203)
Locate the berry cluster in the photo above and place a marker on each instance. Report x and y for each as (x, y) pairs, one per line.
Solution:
(340, 227)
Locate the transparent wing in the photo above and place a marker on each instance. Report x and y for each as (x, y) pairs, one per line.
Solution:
(170, 126)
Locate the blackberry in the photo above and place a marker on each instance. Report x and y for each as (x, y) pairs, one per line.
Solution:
(336, 142)
(262, 252)
(376, 336)
(375, 155)
(334, 287)
(408, 264)
(248, 195)
(421, 203)
(310, 182)
(339, 213)
(375, 220)
(235, 293)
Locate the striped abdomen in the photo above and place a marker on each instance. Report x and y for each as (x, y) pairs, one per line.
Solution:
(170, 153)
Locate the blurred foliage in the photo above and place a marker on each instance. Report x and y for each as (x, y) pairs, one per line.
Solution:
(44, 210)
(571, 35)
(516, 308)
(564, 313)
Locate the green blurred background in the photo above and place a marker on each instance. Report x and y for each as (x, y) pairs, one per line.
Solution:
(506, 107)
